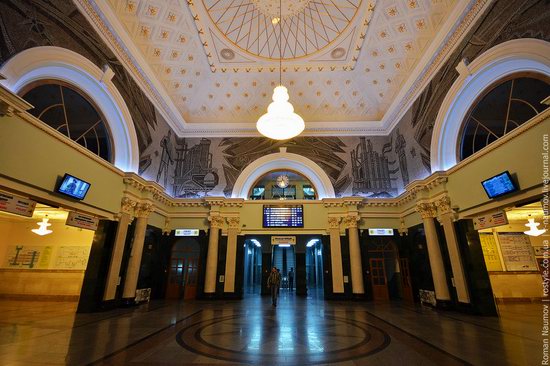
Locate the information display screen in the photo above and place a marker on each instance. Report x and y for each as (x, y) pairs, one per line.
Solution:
(73, 187)
(499, 185)
(283, 216)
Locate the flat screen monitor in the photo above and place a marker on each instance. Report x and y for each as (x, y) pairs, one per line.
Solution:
(73, 187)
(499, 185)
(283, 216)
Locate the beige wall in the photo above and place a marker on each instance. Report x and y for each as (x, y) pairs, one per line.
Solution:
(58, 270)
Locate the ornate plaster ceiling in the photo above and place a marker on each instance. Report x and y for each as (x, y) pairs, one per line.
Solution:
(218, 60)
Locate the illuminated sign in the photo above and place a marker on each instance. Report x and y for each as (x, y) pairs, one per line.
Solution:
(186, 232)
(283, 216)
(381, 232)
(276, 240)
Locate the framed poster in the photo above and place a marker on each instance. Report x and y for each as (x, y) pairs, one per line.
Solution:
(517, 252)
(490, 252)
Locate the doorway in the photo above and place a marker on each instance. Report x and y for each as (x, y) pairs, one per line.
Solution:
(284, 259)
(314, 266)
(184, 270)
(252, 278)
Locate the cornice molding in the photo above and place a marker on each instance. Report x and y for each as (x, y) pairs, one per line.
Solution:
(11, 103)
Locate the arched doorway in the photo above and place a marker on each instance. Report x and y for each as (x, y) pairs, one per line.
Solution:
(184, 270)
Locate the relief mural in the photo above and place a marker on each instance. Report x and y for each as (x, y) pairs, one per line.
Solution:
(375, 166)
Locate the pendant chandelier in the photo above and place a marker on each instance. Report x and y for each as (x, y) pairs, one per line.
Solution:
(280, 122)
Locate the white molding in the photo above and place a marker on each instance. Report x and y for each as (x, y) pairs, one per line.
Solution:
(58, 63)
(520, 55)
(281, 161)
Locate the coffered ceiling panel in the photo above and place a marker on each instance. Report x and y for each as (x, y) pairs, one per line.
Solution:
(343, 60)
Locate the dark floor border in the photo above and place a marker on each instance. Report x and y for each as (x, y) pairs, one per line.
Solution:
(456, 358)
(112, 354)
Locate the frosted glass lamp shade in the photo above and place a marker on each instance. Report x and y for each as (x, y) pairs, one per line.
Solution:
(280, 122)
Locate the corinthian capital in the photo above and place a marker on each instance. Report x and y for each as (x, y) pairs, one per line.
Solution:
(351, 221)
(334, 222)
(426, 210)
(127, 205)
(216, 222)
(143, 209)
(234, 222)
(444, 205)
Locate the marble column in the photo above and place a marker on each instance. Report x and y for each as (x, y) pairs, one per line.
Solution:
(142, 212)
(446, 218)
(428, 212)
(231, 256)
(113, 275)
(216, 223)
(336, 255)
(355, 255)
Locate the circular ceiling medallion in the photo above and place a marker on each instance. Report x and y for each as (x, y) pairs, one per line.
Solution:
(307, 26)
(227, 54)
(338, 53)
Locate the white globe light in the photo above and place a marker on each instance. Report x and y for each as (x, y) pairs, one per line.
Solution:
(280, 122)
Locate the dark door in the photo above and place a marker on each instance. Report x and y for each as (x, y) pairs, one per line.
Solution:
(378, 279)
(184, 270)
(406, 278)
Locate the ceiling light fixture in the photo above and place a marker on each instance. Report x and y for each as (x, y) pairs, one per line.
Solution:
(280, 122)
(43, 227)
(533, 228)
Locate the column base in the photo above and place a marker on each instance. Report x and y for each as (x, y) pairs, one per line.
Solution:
(232, 296)
(109, 305)
(128, 302)
(359, 297)
(209, 296)
(336, 296)
(444, 305)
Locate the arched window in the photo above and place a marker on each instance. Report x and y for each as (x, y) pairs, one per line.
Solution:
(282, 185)
(69, 111)
(503, 107)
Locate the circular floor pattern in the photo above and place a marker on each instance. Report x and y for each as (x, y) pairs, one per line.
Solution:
(271, 339)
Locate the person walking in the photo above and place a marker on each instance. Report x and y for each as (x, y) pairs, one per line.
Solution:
(273, 282)
(291, 278)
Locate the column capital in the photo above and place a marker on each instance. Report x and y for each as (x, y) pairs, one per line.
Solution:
(143, 209)
(444, 205)
(351, 221)
(127, 205)
(234, 223)
(334, 222)
(216, 222)
(426, 209)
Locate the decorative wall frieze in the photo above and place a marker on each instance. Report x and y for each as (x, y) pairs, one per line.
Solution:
(343, 202)
(216, 222)
(11, 103)
(426, 210)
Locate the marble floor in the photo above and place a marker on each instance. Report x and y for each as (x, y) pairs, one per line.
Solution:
(299, 331)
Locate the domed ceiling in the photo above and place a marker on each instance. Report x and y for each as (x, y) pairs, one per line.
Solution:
(349, 65)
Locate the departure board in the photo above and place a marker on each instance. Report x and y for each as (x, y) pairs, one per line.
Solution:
(283, 216)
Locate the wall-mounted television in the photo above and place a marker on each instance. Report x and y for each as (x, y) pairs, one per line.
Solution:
(73, 187)
(499, 185)
(283, 216)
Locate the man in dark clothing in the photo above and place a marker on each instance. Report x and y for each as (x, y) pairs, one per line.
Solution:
(273, 282)
(291, 278)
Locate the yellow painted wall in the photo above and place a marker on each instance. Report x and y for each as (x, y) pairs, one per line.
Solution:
(521, 156)
(28, 154)
(53, 273)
